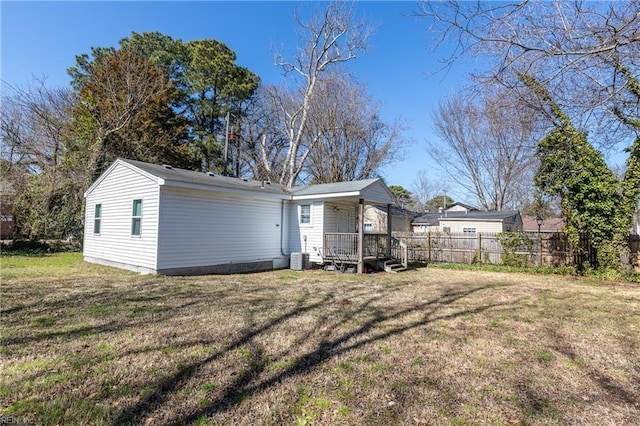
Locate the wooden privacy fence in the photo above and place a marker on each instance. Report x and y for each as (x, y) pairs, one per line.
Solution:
(522, 249)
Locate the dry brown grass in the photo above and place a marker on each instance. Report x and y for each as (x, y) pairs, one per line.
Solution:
(428, 346)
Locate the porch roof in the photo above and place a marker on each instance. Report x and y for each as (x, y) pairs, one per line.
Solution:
(371, 190)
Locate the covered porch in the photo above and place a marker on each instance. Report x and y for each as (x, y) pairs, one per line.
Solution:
(358, 249)
(344, 249)
(331, 223)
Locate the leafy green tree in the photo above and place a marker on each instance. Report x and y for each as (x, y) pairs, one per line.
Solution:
(214, 86)
(35, 131)
(50, 207)
(438, 202)
(209, 86)
(403, 196)
(591, 68)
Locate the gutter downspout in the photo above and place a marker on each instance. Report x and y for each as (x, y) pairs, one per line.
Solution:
(282, 252)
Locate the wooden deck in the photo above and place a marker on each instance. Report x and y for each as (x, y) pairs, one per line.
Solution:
(342, 248)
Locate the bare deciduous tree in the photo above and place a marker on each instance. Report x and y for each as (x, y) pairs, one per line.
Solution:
(354, 143)
(425, 188)
(587, 54)
(33, 123)
(327, 40)
(487, 147)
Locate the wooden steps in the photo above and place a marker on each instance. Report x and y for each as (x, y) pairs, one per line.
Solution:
(394, 266)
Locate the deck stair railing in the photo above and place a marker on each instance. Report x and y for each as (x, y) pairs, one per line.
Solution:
(400, 252)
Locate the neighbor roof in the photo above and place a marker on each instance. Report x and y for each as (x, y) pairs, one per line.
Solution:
(466, 206)
(429, 218)
(397, 210)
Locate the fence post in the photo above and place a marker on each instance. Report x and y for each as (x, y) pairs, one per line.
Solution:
(429, 247)
(480, 247)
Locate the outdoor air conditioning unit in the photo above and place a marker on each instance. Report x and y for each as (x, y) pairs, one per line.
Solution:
(299, 261)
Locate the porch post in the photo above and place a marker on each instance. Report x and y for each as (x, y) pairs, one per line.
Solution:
(388, 254)
(360, 236)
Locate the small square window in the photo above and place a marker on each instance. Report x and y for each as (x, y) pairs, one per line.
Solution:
(136, 218)
(368, 227)
(305, 214)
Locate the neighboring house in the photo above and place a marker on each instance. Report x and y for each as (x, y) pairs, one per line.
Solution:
(549, 224)
(375, 219)
(158, 219)
(7, 223)
(461, 207)
(468, 222)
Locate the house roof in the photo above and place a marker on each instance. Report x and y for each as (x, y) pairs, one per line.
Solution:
(370, 189)
(397, 210)
(549, 224)
(463, 205)
(434, 218)
(171, 176)
(331, 188)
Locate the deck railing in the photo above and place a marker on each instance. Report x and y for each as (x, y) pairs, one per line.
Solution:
(345, 245)
(342, 245)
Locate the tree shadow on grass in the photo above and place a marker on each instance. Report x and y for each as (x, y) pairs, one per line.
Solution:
(137, 318)
(607, 384)
(329, 346)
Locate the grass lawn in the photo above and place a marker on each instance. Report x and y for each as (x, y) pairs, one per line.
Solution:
(83, 344)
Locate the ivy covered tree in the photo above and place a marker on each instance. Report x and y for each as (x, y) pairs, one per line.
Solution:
(592, 197)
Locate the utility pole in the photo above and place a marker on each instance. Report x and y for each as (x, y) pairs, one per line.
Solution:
(226, 145)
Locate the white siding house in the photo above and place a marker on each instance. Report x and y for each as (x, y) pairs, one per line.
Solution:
(158, 219)
(468, 222)
(108, 234)
(375, 219)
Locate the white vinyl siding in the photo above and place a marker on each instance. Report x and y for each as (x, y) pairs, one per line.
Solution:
(202, 228)
(313, 233)
(377, 193)
(114, 244)
(468, 225)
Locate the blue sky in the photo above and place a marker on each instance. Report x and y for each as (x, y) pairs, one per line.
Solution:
(42, 38)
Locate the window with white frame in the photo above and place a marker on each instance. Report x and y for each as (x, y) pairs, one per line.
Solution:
(368, 227)
(305, 214)
(469, 230)
(97, 218)
(136, 218)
